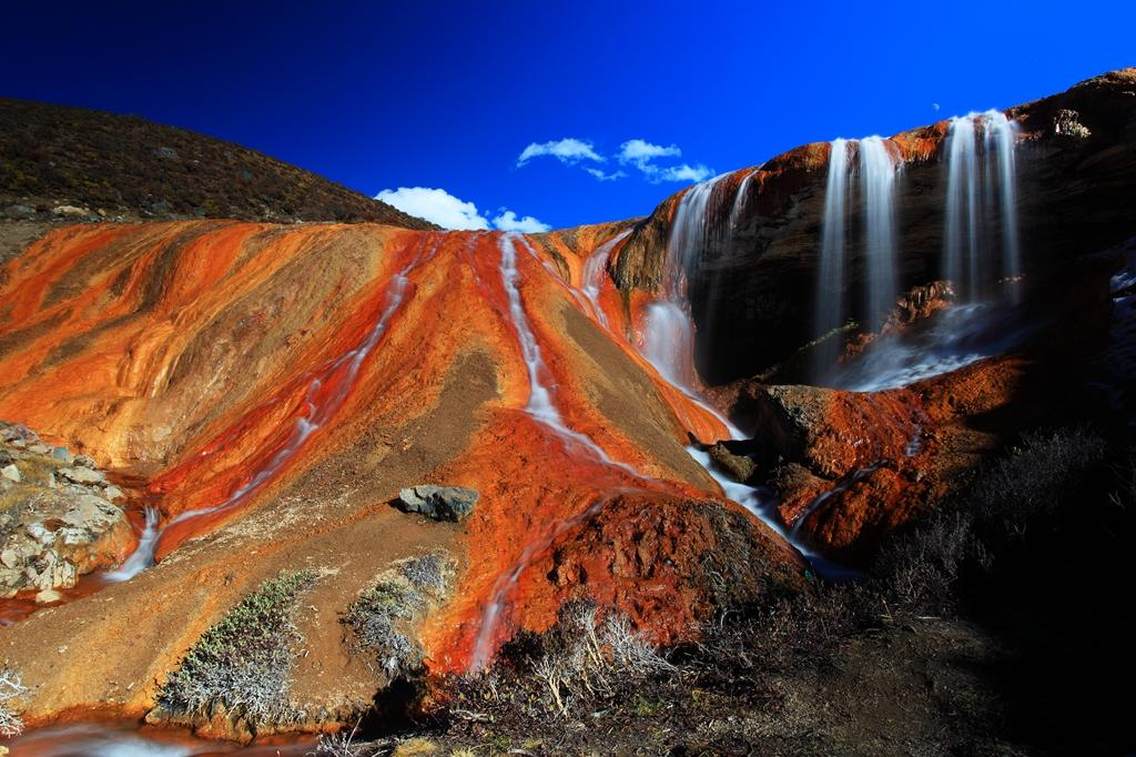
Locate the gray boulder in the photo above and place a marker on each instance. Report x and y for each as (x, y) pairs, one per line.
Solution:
(453, 503)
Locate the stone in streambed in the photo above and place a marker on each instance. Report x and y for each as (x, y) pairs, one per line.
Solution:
(82, 475)
(47, 596)
(741, 468)
(453, 503)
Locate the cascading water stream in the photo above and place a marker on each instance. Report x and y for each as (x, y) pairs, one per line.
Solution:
(318, 411)
(1003, 134)
(668, 345)
(143, 555)
(541, 406)
(981, 189)
(593, 274)
(687, 238)
(740, 199)
(961, 234)
(878, 172)
(831, 271)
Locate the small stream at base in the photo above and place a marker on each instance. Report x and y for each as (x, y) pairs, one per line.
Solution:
(954, 338)
(128, 739)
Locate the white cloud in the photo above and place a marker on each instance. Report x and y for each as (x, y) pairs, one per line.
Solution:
(684, 172)
(641, 152)
(435, 205)
(643, 155)
(605, 176)
(507, 220)
(568, 150)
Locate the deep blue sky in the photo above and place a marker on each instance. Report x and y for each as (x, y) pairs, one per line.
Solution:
(447, 96)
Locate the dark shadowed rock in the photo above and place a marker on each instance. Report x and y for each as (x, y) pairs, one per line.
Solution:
(453, 503)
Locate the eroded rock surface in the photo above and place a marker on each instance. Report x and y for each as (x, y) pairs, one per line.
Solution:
(58, 519)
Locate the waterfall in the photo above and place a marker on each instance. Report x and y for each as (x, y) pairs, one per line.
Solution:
(740, 201)
(1004, 137)
(593, 274)
(978, 181)
(831, 271)
(143, 555)
(877, 172)
(687, 241)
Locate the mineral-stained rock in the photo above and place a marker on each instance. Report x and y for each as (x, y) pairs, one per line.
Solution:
(453, 503)
(669, 564)
(828, 431)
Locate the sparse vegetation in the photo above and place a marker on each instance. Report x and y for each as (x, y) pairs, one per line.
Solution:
(243, 662)
(52, 154)
(378, 619)
(806, 673)
(11, 687)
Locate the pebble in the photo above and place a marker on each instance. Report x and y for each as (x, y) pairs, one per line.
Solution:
(11, 472)
(47, 596)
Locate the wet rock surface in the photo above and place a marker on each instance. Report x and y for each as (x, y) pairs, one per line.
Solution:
(57, 521)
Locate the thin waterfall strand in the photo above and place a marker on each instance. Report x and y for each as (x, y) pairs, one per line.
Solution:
(831, 271)
(878, 175)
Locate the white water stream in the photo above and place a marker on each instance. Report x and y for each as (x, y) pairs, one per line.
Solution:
(317, 413)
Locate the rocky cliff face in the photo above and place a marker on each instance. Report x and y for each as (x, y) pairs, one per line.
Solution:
(753, 297)
(58, 517)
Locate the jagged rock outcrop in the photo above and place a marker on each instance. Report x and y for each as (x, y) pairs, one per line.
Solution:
(58, 517)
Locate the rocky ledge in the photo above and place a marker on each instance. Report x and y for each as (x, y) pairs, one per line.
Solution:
(58, 517)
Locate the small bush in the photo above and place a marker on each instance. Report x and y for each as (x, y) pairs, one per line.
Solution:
(918, 570)
(581, 663)
(244, 661)
(11, 687)
(379, 618)
(1036, 478)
